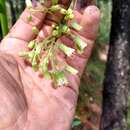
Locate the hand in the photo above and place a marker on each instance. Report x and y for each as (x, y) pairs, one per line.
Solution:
(29, 102)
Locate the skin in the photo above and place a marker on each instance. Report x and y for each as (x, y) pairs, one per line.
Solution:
(27, 100)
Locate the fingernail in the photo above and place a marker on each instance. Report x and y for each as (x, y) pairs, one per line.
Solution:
(92, 11)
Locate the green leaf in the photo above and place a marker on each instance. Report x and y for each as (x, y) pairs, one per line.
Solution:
(3, 18)
(54, 2)
(75, 123)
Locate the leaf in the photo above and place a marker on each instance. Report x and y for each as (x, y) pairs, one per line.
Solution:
(76, 122)
(54, 2)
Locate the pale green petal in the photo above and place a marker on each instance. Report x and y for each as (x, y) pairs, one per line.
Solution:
(76, 26)
(59, 78)
(67, 50)
(31, 44)
(28, 3)
(71, 70)
(80, 44)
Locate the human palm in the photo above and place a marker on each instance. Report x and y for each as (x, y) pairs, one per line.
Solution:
(29, 101)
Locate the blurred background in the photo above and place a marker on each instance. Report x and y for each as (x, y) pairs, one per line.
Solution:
(88, 111)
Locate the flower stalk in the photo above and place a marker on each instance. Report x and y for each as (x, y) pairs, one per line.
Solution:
(43, 55)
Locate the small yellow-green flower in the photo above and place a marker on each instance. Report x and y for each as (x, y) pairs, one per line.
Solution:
(67, 50)
(28, 3)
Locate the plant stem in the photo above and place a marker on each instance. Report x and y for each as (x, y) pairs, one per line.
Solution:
(3, 18)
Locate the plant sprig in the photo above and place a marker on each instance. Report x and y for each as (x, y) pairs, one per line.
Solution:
(43, 55)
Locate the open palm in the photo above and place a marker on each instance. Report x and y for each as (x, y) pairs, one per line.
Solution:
(28, 101)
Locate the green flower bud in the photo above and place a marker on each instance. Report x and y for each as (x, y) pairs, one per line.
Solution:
(69, 17)
(31, 44)
(53, 25)
(57, 27)
(71, 70)
(67, 50)
(65, 29)
(35, 30)
(63, 11)
(59, 78)
(31, 55)
(29, 18)
(54, 8)
(69, 11)
(55, 33)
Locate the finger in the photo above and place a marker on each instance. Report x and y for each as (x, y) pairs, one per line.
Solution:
(21, 32)
(90, 22)
(23, 28)
(77, 61)
(88, 35)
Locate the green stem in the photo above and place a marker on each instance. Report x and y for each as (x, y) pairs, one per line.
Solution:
(3, 18)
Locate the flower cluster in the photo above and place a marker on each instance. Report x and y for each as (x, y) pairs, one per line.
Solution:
(43, 55)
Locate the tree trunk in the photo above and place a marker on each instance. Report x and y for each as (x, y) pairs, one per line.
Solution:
(116, 83)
